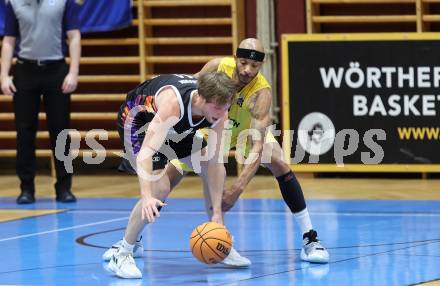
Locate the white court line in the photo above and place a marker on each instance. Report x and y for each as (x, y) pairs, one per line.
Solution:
(62, 229)
(202, 213)
(377, 214)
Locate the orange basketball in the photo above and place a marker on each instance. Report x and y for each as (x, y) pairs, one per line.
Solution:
(210, 242)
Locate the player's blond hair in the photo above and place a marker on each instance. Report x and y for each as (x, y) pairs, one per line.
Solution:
(216, 87)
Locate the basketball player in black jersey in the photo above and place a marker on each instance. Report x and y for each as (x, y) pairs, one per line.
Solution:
(158, 122)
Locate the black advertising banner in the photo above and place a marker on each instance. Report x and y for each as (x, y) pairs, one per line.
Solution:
(371, 101)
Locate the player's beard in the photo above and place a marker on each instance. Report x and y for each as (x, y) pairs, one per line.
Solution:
(243, 80)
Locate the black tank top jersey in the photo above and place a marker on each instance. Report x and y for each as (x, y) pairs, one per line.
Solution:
(142, 98)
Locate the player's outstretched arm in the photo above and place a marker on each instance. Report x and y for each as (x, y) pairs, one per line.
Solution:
(259, 106)
(168, 113)
(210, 66)
(216, 170)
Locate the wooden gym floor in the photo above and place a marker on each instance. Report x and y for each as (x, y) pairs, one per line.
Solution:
(260, 187)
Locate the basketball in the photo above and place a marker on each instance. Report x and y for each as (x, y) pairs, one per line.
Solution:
(210, 242)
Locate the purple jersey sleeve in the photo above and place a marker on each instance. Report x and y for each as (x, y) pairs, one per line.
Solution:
(11, 22)
(71, 16)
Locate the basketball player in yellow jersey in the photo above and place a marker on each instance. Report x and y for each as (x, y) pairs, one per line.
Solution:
(251, 110)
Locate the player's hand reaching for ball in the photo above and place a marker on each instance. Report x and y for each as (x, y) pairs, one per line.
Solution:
(217, 217)
(149, 208)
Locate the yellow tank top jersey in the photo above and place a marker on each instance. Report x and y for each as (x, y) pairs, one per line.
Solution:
(239, 114)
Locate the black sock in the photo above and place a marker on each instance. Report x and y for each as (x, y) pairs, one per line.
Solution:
(292, 192)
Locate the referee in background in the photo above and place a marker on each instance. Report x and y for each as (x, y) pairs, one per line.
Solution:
(39, 29)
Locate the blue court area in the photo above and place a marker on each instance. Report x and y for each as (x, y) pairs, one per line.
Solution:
(370, 243)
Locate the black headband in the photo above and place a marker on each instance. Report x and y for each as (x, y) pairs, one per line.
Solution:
(250, 54)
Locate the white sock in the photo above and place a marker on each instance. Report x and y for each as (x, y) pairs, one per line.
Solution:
(304, 221)
(126, 247)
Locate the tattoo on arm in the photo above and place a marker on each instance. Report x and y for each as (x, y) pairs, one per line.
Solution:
(252, 103)
(259, 107)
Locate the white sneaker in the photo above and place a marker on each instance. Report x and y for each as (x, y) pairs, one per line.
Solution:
(234, 259)
(312, 250)
(138, 250)
(122, 265)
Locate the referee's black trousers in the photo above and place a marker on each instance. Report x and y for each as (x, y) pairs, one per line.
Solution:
(32, 81)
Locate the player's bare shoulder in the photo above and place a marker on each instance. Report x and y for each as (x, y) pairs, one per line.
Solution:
(214, 63)
(210, 66)
(167, 102)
